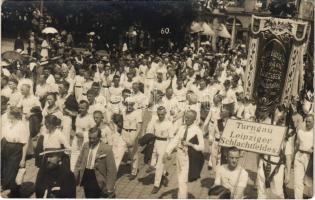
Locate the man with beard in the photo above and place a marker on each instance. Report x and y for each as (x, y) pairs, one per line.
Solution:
(54, 178)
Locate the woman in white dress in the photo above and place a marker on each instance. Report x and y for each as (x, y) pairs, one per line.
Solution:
(44, 49)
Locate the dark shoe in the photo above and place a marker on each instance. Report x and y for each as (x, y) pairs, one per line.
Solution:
(132, 176)
(166, 174)
(209, 167)
(155, 190)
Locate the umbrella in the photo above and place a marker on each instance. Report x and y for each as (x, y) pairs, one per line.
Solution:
(195, 27)
(91, 33)
(207, 30)
(49, 30)
(12, 56)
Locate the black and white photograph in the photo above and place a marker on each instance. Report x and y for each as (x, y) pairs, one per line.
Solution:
(157, 99)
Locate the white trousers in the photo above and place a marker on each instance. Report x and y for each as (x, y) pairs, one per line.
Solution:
(131, 140)
(300, 165)
(182, 163)
(159, 148)
(276, 184)
(119, 149)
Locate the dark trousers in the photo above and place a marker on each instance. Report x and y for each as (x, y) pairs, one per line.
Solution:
(90, 185)
(11, 155)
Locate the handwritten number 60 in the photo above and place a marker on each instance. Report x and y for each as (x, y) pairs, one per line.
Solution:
(165, 31)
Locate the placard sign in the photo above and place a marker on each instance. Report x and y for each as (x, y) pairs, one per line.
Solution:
(252, 136)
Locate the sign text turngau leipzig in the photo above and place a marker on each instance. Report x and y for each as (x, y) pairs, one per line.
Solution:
(252, 136)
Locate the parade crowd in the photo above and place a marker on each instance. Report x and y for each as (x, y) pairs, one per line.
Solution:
(79, 113)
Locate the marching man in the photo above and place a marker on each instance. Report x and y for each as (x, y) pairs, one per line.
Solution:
(304, 146)
(188, 139)
(162, 131)
(132, 121)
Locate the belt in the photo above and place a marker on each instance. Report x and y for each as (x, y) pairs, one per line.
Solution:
(129, 130)
(182, 101)
(13, 142)
(271, 162)
(304, 151)
(105, 86)
(78, 86)
(112, 102)
(160, 138)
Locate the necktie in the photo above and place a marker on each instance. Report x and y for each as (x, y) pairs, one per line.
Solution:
(185, 134)
(89, 162)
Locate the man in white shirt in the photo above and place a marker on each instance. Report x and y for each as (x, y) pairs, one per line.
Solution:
(115, 95)
(160, 84)
(140, 98)
(162, 129)
(229, 97)
(304, 146)
(131, 131)
(232, 176)
(181, 142)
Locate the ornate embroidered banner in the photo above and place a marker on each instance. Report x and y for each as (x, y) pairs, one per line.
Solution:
(275, 59)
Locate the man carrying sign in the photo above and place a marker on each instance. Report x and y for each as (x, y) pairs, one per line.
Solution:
(273, 171)
(231, 176)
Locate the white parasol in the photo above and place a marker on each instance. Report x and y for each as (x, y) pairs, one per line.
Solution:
(207, 30)
(91, 33)
(49, 30)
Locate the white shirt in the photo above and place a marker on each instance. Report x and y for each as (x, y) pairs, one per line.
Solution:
(231, 179)
(175, 143)
(115, 94)
(55, 140)
(180, 95)
(141, 100)
(306, 140)
(15, 133)
(229, 97)
(163, 129)
(27, 103)
(132, 119)
(83, 124)
(92, 152)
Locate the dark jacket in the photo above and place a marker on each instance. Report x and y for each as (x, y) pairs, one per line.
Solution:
(104, 167)
(59, 183)
(196, 161)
